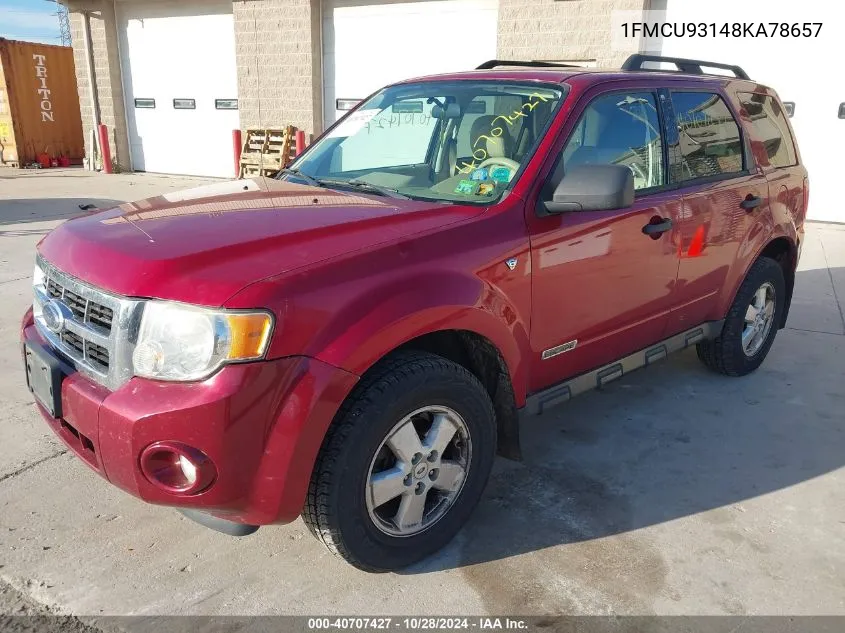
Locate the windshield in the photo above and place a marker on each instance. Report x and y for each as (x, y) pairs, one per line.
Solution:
(446, 140)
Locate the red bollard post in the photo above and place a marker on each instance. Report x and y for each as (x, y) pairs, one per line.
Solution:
(300, 142)
(105, 150)
(237, 144)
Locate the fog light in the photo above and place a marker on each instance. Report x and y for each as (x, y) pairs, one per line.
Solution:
(177, 468)
(188, 469)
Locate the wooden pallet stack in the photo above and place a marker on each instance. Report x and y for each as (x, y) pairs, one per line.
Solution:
(266, 151)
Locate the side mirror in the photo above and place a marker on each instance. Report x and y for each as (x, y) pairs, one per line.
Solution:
(590, 188)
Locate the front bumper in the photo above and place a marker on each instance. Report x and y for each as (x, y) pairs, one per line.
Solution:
(261, 424)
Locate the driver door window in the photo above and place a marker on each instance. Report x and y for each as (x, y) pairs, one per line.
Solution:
(621, 128)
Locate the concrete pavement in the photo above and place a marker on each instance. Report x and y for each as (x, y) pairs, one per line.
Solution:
(673, 491)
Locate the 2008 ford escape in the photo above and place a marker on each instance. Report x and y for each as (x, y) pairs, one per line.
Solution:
(354, 341)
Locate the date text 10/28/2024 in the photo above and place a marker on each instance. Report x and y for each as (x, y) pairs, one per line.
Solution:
(416, 623)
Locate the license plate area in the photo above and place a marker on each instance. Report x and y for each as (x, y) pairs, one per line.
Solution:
(44, 375)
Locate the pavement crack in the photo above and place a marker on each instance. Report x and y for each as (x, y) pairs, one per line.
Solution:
(20, 611)
(8, 281)
(27, 467)
(833, 285)
(800, 329)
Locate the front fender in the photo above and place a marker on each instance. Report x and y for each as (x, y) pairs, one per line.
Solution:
(374, 323)
(354, 310)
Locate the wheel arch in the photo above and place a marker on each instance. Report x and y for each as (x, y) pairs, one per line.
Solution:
(784, 251)
(780, 246)
(485, 360)
(482, 358)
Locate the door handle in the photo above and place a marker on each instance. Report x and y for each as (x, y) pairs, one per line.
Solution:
(657, 227)
(751, 202)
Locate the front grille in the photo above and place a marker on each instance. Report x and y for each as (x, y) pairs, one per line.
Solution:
(76, 304)
(97, 354)
(85, 310)
(100, 315)
(95, 332)
(54, 289)
(74, 341)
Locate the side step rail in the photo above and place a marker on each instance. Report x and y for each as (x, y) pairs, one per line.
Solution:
(558, 394)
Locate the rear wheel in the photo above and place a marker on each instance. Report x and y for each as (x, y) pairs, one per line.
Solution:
(751, 324)
(404, 463)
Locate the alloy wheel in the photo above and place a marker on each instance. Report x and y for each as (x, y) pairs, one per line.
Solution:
(759, 317)
(418, 471)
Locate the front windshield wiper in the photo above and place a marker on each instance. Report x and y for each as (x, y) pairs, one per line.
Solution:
(363, 185)
(354, 183)
(303, 176)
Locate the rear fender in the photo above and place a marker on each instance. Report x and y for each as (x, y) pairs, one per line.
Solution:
(777, 223)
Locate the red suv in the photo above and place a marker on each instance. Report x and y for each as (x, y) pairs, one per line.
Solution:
(355, 340)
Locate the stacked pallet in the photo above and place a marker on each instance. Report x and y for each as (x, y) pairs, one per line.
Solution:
(266, 151)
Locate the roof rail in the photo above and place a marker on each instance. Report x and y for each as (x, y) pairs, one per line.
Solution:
(493, 63)
(691, 66)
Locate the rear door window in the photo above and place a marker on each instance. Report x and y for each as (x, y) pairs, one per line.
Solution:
(620, 128)
(710, 143)
(769, 126)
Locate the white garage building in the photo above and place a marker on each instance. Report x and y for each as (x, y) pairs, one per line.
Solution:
(180, 85)
(173, 78)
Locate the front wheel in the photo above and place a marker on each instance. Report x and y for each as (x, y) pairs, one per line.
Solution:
(751, 324)
(404, 463)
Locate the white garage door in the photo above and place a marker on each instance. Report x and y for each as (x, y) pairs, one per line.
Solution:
(370, 43)
(180, 85)
(801, 70)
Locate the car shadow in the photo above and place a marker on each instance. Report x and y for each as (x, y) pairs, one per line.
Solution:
(663, 443)
(26, 210)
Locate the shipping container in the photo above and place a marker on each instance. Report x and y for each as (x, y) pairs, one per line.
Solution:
(39, 104)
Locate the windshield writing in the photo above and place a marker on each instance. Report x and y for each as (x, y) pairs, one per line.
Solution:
(458, 141)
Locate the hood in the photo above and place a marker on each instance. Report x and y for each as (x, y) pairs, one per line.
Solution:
(203, 245)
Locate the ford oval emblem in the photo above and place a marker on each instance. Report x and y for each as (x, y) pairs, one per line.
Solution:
(55, 313)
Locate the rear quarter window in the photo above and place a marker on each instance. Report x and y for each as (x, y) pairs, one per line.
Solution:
(769, 126)
(710, 143)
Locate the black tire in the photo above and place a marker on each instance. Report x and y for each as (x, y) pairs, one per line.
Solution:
(725, 353)
(336, 508)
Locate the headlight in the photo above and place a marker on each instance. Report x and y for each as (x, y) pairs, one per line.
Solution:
(38, 276)
(39, 282)
(179, 342)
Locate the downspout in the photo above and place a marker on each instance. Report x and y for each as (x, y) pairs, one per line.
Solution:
(95, 104)
(321, 129)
